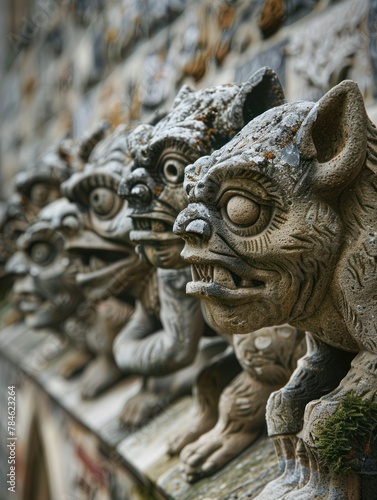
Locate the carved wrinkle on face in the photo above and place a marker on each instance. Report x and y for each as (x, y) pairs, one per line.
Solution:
(102, 243)
(155, 198)
(255, 260)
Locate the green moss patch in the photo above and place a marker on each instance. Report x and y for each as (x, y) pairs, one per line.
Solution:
(349, 437)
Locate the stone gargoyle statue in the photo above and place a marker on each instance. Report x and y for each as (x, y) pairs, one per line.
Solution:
(282, 225)
(199, 123)
(35, 187)
(44, 290)
(98, 230)
(47, 295)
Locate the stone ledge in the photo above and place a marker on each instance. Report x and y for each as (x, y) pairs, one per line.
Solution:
(141, 456)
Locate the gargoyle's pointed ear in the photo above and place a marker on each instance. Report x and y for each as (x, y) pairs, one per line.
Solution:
(335, 135)
(261, 92)
(91, 139)
(183, 92)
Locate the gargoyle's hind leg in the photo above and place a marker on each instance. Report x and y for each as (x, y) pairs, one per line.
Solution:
(208, 387)
(355, 392)
(317, 373)
(320, 483)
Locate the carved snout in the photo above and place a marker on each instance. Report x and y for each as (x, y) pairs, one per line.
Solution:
(17, 265)
(137, 188)
(62, 215)
(15, 205)
(193, 225)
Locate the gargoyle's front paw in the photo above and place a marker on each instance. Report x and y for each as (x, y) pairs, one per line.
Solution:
(212, 451)
(101, 374)
(202, 423)
(140, 408)
(74, 364)
(317, 414)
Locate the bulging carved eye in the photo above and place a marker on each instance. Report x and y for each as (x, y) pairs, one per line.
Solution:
(242, 211)
(104, 202)
(41, 253)
(262, 342)
(173, 170)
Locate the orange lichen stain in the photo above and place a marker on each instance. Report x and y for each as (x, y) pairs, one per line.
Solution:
(115, 114)
(111, 35)
(226, 16)
(291, 136)
(209, 137)
(269, 156)
(29, 86)
(209, 117)
(157, 190)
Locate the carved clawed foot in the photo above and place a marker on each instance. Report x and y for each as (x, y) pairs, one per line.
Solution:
(203, 422)
(241, 420)
(142, 407)
(74, 363)
(285, 447)
(207, 391)
(214, 450)
(316, 483)
(101, 374)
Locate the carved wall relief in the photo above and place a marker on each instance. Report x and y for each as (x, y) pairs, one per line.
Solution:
(135, 19)
(198, 123)
(333, 48)
(283, 219)
(212, 30)
(215, 29)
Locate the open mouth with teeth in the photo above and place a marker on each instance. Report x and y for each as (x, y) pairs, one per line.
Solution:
(29, 303)
(148, 230)
(219, 283)
(99, 265)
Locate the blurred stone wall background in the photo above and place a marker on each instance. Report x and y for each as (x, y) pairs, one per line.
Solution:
(66, 64)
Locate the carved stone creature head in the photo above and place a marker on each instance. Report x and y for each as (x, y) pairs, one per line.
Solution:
(40, 183)
(281, 223)
(35, 188)
(98, 227)
(199, 123)
(12, 224)
(45, 290)
(270, 354)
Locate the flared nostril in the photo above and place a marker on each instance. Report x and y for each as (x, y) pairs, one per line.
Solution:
(140, 192)
(70, 222)
(194, 231)
(199, 227)
(17, 265)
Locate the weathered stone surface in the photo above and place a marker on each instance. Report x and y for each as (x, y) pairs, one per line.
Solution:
(335, 49)
(70, 64)
(231, 413)
(292, 168)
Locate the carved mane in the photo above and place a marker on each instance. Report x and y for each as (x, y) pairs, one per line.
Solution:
(358, 211)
